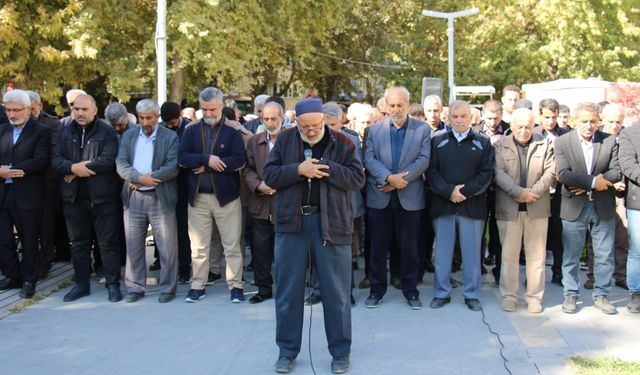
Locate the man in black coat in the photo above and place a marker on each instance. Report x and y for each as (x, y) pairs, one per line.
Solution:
(25, 145)
(85, 155)
(587, 166)
(54, 232)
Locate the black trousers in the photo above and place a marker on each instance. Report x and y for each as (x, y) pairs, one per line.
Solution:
(83, 218)
(495, 248)
(28, 224)
(263, 234)
(554, 237)
(426, 238)
(406, 225)
(48, 233)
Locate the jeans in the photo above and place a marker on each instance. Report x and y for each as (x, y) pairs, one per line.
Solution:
(633, 261)
(573, 238)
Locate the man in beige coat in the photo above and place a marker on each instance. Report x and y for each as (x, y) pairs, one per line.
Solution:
(524, 171)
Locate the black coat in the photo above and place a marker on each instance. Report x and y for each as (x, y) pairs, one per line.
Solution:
(30, 153)
(469, 163)
(101, 147)
(572, 172)
(629, 156)
(346, 173)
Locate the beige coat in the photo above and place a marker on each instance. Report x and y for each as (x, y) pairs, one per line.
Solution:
(540, 176)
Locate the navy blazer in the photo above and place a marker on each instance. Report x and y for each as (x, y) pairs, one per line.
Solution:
(414, 159)
(30, 153)
(571, 170)
(229, 147)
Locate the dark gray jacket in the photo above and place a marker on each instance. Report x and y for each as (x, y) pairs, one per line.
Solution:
(345, 174)
(629, 158)
(164, 165)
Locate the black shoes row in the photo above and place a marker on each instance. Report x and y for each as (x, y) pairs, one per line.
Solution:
(82, 290)
(339, 364)
(28, 287)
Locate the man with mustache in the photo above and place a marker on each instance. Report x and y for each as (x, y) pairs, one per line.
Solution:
(587, 167)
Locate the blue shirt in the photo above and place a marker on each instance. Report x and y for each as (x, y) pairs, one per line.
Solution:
(397, 141)
(143, 159)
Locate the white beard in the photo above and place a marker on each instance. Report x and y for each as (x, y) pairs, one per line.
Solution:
(315, 141)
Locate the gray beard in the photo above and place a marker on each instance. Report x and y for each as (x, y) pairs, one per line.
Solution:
(313, 142)
(210, 120)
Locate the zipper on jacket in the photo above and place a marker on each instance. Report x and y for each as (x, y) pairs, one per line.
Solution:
(82, 139)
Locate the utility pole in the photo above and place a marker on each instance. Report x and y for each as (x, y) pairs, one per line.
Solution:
(451, 16)
(161, 50)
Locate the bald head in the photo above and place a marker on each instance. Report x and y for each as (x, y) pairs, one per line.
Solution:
(84, 110)
(612, 118)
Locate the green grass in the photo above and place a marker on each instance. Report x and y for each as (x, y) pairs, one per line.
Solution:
(602, 366)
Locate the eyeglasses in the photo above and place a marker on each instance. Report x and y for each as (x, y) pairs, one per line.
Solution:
(311, 127)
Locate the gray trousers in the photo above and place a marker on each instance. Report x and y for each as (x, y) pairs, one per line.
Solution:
(144, 209)
(333, 267)
(470, 233)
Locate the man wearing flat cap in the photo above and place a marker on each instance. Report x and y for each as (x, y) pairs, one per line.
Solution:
(313, 170)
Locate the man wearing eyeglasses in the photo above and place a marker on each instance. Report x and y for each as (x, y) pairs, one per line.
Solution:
(25, 145)
(313, 170)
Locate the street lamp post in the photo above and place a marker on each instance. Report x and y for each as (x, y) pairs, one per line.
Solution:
(450, 17)
(161, 50)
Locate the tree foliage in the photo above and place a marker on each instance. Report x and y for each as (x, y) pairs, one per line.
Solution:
(247, 47)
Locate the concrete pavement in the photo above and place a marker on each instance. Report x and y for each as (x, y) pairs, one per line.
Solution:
(216, 337)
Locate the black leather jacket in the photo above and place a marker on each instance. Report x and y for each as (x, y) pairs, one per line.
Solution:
(97, 142)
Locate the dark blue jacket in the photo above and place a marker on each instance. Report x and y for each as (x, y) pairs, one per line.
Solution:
(346, 173)
(469, 163)
(228, 146)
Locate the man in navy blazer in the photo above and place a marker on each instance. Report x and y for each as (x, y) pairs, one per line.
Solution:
(214, 152)
(396, 156)
(25, 145)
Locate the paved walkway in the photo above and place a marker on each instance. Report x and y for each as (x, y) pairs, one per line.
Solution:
(93, 336)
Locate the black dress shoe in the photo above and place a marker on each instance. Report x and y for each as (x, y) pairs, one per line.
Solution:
(313, 299)
(437, 303)
(396, 282)
(430, 267)
(364, 284)
(134, 297)
(622, 283)
(473, 304)
(155, 265)
(78, 291)
(589, 283)
(9, 283)
(259, 298)
(556, 279)
(489, 261)
(114, 293)
(28, 289)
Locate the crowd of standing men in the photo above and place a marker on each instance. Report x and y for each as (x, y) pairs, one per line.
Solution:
(315, 189)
